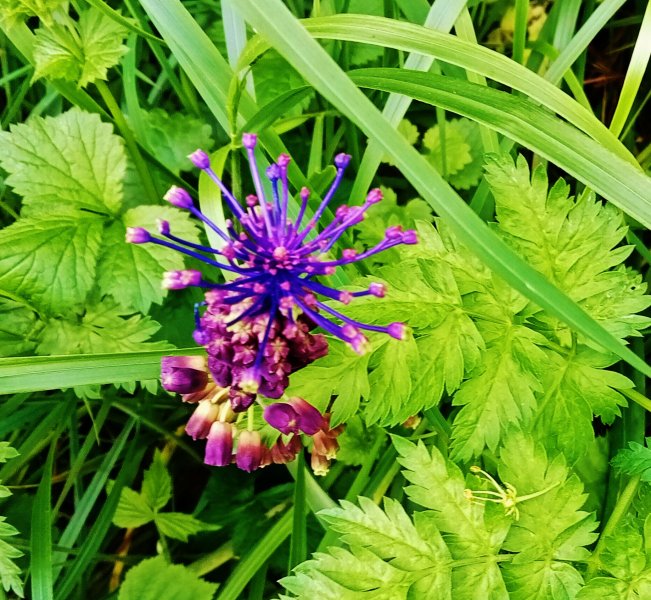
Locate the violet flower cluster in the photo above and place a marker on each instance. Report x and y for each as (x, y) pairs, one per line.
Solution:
(256, 328)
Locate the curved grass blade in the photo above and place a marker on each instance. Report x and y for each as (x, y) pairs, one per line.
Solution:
(36, 373)
(526, 123)
(285, 33)
(380, 31)
(41, 538)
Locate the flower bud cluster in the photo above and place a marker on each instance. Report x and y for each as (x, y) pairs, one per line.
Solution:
(234, 341)
(228, 440)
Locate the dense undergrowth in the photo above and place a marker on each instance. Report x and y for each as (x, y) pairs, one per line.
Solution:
(494, 448)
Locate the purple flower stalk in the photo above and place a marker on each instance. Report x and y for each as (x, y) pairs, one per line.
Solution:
(256, 328)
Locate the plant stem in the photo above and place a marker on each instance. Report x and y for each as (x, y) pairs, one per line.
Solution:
(130, 141)
(621, 508)
(213, 560)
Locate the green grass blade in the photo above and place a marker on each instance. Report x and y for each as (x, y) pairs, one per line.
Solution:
(259, 554)
(298, 541)
(441, 16)
(472, 57)
(583, 37)
(285, 33)
(520, 30)
(634, 74)
(119, 18)
(41, 538)
(35, 373)
(275, 109)
(533, 127)
(102, 523)
(79, 519)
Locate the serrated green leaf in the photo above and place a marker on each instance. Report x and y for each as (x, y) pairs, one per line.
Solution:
(391, 535)
(156, 579)
(83, 55)
(625, 562)
(551, 529)
(18, 325)
(65, 163)
(157, 483)
(347, 575)
(439, 485)
(418, 293)
(446, 354)
(470, 175)
(12, 11)
(390, 382)
(9, 570)
(171, 137)
(452, 146)
(357, 440)
(576, 387)
(573, 243)
(132, 510)
(372, 229)
(340, 373)
(51, 260)
(7, 452)
(179, 526)
(274, 76)
(102, 329)
(132, 273)
(502, 394)
(634, 460)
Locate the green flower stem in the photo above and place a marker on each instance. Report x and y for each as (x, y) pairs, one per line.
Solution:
(164, 546)
(213, 560)
(316, 498)
(621, 508)
(638, 398)
(130, 141)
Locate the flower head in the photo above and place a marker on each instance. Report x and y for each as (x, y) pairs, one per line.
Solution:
(256, 328)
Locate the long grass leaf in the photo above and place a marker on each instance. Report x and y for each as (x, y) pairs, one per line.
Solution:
(525, 122)
(41, 538)
(35, 373)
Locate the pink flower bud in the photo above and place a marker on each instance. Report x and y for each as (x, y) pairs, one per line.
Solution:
(178, 197)
(200, 159)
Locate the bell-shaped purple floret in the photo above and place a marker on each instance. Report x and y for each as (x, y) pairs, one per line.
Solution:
(219, 447)
(310, 420)
(282, 417)
(249, 451)
(201, 420)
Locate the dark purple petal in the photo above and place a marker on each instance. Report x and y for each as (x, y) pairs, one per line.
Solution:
(310, 420)
(183, 374)
(282, 417)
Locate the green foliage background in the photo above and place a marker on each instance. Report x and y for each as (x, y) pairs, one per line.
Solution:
(522, 379)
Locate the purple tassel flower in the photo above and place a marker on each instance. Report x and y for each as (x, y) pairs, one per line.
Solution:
(256, 328)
